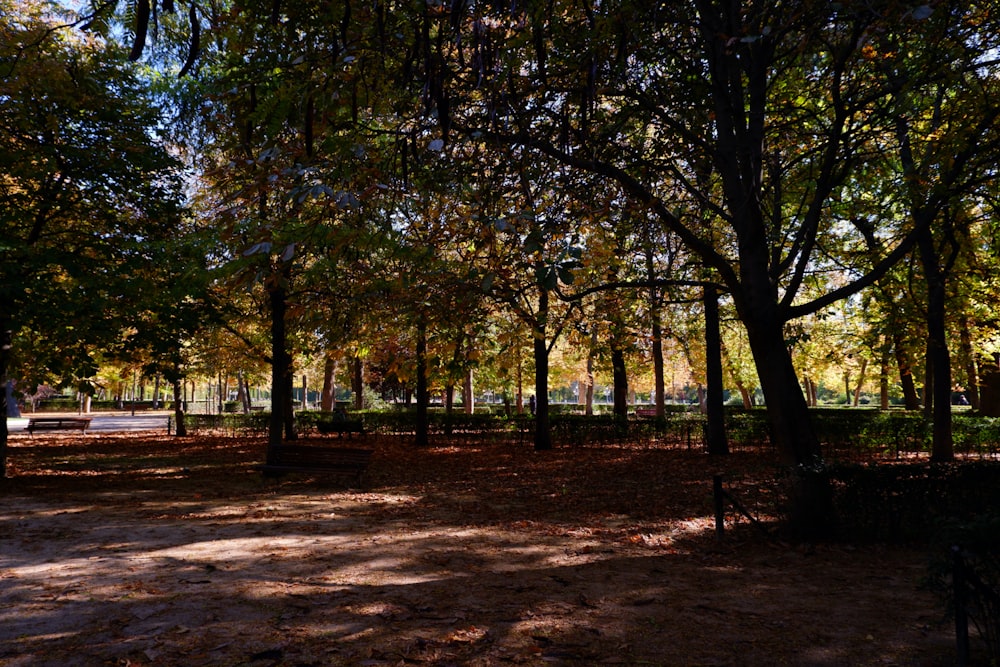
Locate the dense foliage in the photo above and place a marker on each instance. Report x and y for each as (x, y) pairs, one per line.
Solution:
(434, 193)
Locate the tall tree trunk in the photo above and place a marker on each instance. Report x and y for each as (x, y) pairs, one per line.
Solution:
(519, 398)
(787, 409)
(810, 494)
(543, 438)
(883, 374)
(281, 366)
(328, 400)
(6, 342)
(938, 356)
(656, 330)
(468, 397)
(423, 394)
(714, 409)
(180, 424)
(358, 384)
(591, 353)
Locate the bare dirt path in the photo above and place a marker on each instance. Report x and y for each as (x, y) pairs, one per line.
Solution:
(125, 550)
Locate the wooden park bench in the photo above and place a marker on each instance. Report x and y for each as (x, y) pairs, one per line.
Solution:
(645, 413)
(58, 424)
(341, 427)
(338, 461)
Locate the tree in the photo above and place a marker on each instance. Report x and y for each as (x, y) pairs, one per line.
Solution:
(789, 103)
(179, 307)
(96, 184)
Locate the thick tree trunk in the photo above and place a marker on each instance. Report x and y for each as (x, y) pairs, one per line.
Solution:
(543, 439)
(788, 412)
(468, 397)
(810, 495)
(180, 424)
(281, 367)
(938, 356)
(787, 409)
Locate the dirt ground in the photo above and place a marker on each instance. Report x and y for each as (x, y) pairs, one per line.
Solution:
(143, 549)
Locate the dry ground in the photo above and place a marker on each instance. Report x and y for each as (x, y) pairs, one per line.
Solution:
(147, 550)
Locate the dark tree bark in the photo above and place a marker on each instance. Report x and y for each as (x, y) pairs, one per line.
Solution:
(969, 359)
(327, 399)
(883, 375)
(468, 396)
(180, 424)
(543, 438)
(715, 411)
(281, 365)
(938, 356)
(6, 342)
(911, 400)
(620, 382)
(656, 330)
(358, 383)
(423, 394)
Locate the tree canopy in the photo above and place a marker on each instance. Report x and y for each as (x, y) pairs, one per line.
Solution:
(426, 182)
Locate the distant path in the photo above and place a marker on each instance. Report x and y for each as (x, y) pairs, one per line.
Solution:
(105, 421)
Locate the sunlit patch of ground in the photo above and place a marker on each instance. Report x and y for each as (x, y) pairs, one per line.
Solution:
(153, 550)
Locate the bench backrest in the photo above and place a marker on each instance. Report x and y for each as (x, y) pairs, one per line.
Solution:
(308, 455)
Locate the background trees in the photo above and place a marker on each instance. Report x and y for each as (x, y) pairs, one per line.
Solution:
(741, 126)
(418, 181)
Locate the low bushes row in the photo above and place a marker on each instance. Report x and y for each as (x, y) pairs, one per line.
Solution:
(845, 434)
